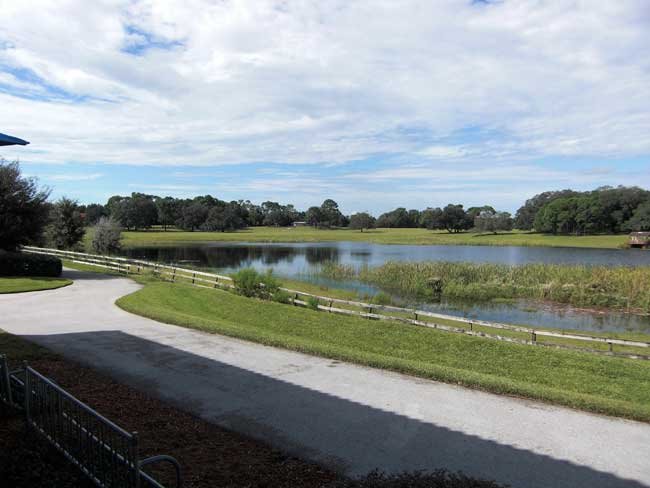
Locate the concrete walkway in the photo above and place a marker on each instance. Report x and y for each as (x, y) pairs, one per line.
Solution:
(348, 417)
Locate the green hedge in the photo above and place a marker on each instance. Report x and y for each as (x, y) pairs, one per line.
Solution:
(23, 264)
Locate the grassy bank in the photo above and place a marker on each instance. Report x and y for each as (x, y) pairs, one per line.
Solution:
(602, 384)
(622, 288)
(22, 284)
(379, 236)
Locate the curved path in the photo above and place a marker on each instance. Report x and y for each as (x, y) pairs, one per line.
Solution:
(348, 417)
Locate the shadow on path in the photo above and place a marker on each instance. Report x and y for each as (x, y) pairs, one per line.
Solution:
(75, 275)
(344, 435)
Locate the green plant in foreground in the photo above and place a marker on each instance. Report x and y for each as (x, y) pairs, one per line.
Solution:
(250, 283)
(312, 302)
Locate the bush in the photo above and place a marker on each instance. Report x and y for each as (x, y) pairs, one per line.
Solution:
(281, 296)
(250, 283)
(107, 236)
(312, 302)
(23, 264)
(382, 298)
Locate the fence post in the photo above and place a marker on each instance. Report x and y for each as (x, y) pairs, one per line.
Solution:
(136, 458)
(216, 281)
(27, 394)
(533, 336)
(611, 346)
(193, 277)
(174, 275)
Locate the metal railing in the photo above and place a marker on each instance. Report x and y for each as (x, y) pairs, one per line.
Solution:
(423, 318)
(102, 450)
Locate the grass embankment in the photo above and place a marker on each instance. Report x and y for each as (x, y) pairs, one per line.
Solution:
(21, 284)
(622, 288)
(379, 236)
(608, 385)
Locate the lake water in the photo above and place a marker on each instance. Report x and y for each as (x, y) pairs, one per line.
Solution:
(302, 261)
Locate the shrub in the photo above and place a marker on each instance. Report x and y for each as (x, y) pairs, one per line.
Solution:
(312, 302)
(247, 282)
(107, 236)
(23, 264)
(250, 283)
(382, 298)
(281, 296)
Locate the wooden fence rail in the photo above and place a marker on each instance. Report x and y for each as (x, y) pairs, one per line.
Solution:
(367, 310)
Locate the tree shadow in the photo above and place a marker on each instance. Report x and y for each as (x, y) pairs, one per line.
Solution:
(74, 275)
(349, 437)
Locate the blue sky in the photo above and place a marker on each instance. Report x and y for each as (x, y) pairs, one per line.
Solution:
(375, 104)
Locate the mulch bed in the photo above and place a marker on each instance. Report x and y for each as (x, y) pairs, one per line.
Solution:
(209, 455)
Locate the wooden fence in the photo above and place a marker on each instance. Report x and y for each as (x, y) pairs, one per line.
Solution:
(481, 328)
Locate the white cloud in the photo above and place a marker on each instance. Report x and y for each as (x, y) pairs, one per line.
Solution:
(74, 177)
(327, 82)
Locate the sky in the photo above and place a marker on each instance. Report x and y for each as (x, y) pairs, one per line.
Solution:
(376, 104)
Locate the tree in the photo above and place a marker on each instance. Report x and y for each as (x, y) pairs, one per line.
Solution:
(278, 215)
(525, 216)
(474, 212)
(331, 216)
(222, 218)
(492, 221)
(167, 209)
(454, 219)
(362, 220)
(107, 236)
(192, 216)
(431, 218)
(66, 228)
(23, 208)
(399, 218)
(314, 216)
(94, 212)
(640, 221)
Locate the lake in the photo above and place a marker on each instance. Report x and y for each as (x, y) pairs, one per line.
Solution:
(303, 260)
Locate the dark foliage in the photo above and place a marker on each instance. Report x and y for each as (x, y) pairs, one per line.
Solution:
(23, 208)
(66, 227)
(23, 264)
(604, 210)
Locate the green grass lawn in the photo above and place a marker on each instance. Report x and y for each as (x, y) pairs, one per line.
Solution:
(379, 236)
(602, 384)
(20, 284)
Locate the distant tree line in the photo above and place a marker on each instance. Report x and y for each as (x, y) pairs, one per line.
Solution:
(28, 217)
(604, 210)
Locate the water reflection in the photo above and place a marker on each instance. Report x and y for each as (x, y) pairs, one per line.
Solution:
(302, 260)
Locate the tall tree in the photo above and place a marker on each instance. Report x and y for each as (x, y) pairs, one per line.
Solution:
(66, 228)
(330, 214)
(23, 208)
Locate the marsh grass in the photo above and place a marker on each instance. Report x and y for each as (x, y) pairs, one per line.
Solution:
(621, 288)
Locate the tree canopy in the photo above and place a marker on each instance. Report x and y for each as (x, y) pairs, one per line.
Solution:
(24, 210)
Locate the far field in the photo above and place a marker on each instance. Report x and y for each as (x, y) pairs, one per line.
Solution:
(379, 236)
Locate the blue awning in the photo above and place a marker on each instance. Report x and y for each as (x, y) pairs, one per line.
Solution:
(6, 140)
